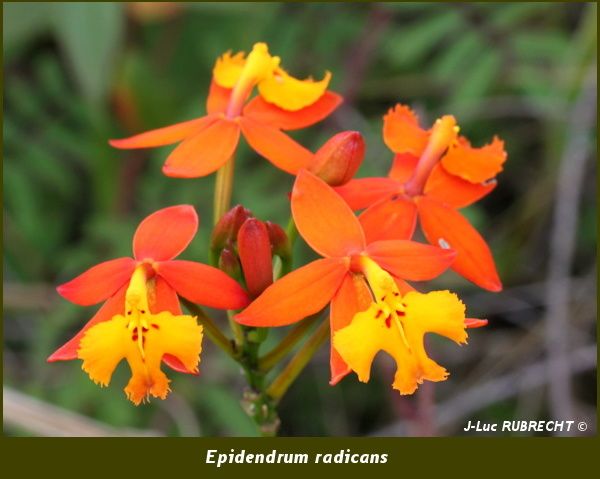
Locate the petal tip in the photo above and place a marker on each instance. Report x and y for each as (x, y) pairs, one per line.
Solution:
(176, 172)
(60, 289)
(122, 144)
(338, 377)
(240, 318)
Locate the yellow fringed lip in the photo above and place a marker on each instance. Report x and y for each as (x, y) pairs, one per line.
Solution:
(397, 324)
(142, 338)
(275, 85)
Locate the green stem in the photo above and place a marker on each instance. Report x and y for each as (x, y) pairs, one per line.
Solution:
(289, 374)
(210, 328)
(256, 402)
(269, 360)
(285, 267)
(237, 329)
(291, 231)
(223, 189)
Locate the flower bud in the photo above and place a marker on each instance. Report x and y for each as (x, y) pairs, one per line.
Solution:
(279, 241)
(227, 228)
(339, 158)
(254, 250)
(228, 263)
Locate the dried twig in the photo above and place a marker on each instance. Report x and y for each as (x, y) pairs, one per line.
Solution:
(40, 418)
(562, 246)
(499, 389)
(357, 64)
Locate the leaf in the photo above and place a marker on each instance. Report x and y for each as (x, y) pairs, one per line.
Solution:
(511, 15)
(540, 45)
(226, 411)
(477, 80)
(22, 21)
(457, 56)
(533, 81)
(91, 35)
(411, 44)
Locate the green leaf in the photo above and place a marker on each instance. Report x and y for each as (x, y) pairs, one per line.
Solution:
(457, 56)
(411, 44)
(533, 82)
(91, 35)
(227, 412)
(540, 45)
(477, 80)
(511, 15)
(22, 21)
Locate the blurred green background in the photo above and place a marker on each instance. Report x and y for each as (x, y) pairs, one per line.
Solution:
(76, 74)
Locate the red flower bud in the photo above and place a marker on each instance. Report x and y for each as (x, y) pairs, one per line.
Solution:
(254, 250)
(227, 228)
(339, 158)
(279, 240)
(228, 263)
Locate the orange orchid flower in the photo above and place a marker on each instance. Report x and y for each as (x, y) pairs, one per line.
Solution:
(141, 320)
(435, 172)
(362, 279)
(282, 103)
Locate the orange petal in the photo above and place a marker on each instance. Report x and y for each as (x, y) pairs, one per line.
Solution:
(403, 167)
(443, 225)
(115, 305)
(323, 219)
(391, 218)
(403, 286)
(475, 322)
(475, 164)
(165, 233)
(165, 299)
(260, 110)
(218, 98)
(203, 284)
(455, 191)
(98, 283)
(402, 133)
(297, 295)
(410, 260)
(352, 297)
(275, 146)
(164, 136)
(205, 152)
(363, 192)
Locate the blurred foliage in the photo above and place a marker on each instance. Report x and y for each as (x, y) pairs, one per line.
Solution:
(76, 74)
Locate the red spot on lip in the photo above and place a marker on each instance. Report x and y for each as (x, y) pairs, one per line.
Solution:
(155, 326)
(379, 313)
(401, 313)
(388, 321)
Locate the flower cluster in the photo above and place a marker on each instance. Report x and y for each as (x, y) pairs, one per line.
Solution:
(367, 260)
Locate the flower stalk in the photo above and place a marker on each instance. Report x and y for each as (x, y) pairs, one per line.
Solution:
(211, 330)
(269, 360)
(223, 189)
(281, 384)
